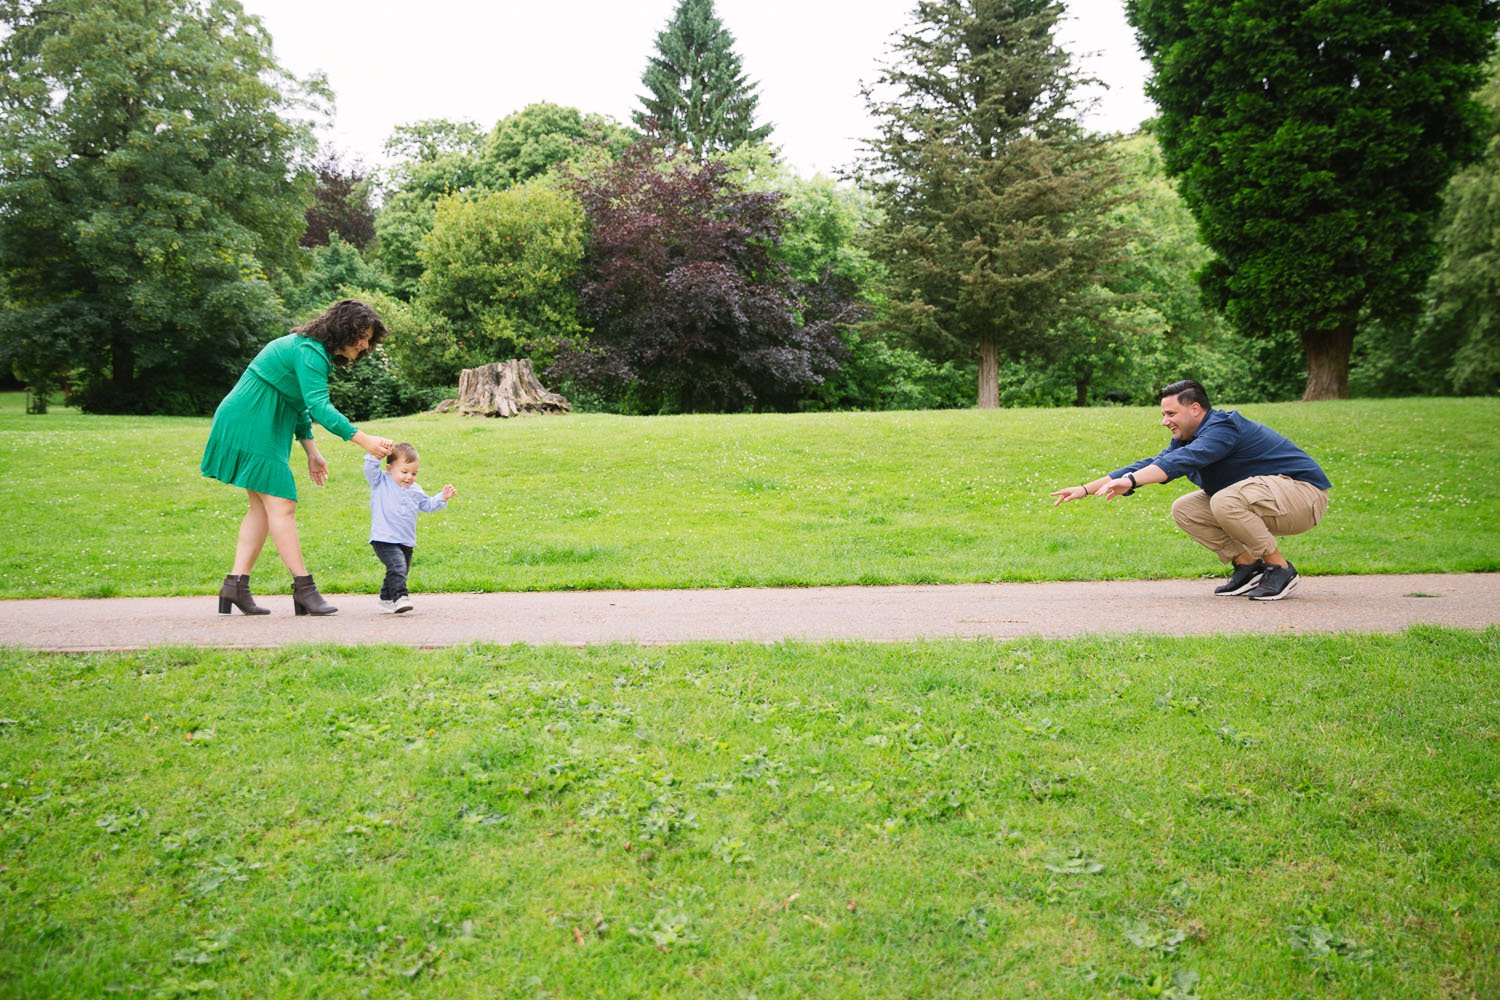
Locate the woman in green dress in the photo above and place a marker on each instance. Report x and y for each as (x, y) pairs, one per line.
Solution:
(275, 403)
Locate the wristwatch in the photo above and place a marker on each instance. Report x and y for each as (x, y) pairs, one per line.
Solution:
(1133, 484)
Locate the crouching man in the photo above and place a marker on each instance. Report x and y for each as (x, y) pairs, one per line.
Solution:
(1254, 486)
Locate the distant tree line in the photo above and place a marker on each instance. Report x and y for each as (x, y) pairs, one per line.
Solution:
(1311, 214)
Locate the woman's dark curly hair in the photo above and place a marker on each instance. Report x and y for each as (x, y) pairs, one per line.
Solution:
(342, 324)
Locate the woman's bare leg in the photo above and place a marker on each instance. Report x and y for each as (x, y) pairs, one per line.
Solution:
(281, 521)
(252, 536)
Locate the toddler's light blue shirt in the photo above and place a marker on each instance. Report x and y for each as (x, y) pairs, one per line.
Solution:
(393, 511)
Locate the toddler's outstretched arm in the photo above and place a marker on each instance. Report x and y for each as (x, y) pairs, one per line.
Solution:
(429, 504)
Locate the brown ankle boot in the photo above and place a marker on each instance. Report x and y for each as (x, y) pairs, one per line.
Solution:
(236, 592)
(306, 600)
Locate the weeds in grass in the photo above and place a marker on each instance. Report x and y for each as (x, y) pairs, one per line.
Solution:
(961, 819)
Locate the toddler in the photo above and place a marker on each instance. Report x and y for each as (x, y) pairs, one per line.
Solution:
(395, 499)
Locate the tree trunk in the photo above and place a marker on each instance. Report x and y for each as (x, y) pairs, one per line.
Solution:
(503, 389)
(989, 374)
(1081, 386)
(1328, 362)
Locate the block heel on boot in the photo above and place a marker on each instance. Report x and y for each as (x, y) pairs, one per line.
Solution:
(235, 593)
(306, 600)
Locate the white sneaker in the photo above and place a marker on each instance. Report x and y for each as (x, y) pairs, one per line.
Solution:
(389, 607)
(401, 604)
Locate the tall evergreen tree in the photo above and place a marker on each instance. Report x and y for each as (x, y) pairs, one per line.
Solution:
(1312, 139)
(149, 184)
(997, 229)
(700, 98)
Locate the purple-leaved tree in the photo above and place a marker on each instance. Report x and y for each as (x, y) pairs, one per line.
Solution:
(688, 307)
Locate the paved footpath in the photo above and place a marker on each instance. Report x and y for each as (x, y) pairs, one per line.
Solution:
(1002, 611)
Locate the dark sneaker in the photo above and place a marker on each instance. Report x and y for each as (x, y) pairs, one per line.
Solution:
(1243, 578)
(1276, 584)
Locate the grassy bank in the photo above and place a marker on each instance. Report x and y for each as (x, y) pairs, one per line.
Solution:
(101, 506)
(1125, 818)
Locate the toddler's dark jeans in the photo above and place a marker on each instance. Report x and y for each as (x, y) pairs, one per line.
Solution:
(397, 559)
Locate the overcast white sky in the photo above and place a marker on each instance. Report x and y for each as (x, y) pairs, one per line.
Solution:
(394, 62)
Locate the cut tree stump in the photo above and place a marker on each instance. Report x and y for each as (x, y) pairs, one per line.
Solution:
(503, 389)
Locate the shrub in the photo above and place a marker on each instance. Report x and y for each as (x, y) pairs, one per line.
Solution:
(877, 376)
(500, 269)
(374, 389)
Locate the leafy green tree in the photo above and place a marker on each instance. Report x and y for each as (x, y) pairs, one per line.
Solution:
(997, 227)
(442, 158)
(699, 96)
(1312, 141)
(1462, 328)
(500, 268)
(1156, 269)
(823, 246)
(432, 139)
(149, 185)
(438, 158)
(1166, 330)
(333, 270)
(539, 137)
(400, 226)
(821, 241)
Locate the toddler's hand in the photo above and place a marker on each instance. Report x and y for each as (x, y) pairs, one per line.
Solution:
(448, 492)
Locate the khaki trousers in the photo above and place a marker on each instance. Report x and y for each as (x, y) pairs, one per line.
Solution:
(1248, 516)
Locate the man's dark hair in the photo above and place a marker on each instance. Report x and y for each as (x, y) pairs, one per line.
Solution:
(1188, 392)
(342, 324)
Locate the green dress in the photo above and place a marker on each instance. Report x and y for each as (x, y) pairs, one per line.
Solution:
(272, 405)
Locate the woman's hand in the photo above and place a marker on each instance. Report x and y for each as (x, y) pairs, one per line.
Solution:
(379, 447)
(317, 468)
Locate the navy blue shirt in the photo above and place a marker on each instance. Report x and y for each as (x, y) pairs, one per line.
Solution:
(1228, 448)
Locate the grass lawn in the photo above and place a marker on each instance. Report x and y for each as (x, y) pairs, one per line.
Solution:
(107, 506)
(1129, 818)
